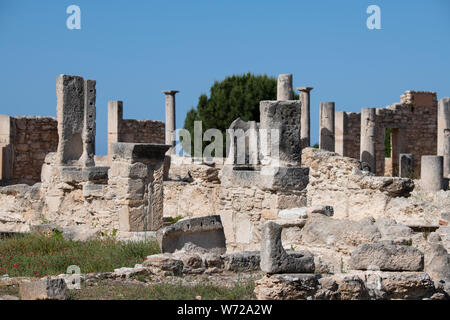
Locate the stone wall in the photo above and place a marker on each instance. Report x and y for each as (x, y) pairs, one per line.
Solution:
(141, 131)
(339, 182)
(24, 149)
(413, 124)
(348, 134)
(130, 130)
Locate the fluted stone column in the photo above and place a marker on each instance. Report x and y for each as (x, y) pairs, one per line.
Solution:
(443, 137)
(368, 137)
(326, 137)
(284, 88)
(305, 131)
(431, 173)
(170, 119)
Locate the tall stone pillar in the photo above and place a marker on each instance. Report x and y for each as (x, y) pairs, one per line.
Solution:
(406, 165)
(284, 87)
(368, 137)
(137, 176)
(6, 154)
(115, 117)
(170, 119)
(305, 134)
(70, 115)
(89, 130)
(326, 137)
(340, 124)
(431, 173)
(443, 137)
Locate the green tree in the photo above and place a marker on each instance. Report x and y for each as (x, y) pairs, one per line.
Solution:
(233, 97)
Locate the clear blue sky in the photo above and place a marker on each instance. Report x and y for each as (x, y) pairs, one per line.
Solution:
(135, 49)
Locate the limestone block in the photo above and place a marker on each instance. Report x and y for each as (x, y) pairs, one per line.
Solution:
(293, 214)
(274, 258)
(371, 256)
(243, 228)
(52, 289)
(245, 261)
(205, 232)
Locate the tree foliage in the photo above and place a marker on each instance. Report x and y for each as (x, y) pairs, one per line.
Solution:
(235, 96)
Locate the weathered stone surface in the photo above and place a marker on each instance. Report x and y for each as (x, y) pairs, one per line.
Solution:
(403, 285)
(164, 262)
(81, 233)
(274, 259)
(281, 122)
(371, 256)
(52, 289)
(323, 230)
(205, 232)
(432, 173)
(326, 137)
(242, 261)
(286, 287)
(293, 214)
(437, 262)
(355, 286)
(8, 297)
(341, 287)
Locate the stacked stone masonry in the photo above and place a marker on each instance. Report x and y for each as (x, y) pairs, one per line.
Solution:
(24, 143)
(413, 124)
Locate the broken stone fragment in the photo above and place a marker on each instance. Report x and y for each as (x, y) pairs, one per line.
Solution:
(274, 259)
(51, 289)
(164, 262)
(242, 261)
(372, 256)
(204, 232)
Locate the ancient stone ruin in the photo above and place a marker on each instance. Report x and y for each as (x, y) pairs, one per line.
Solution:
(341, 221)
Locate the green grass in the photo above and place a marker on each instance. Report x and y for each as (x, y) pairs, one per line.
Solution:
(116, 290)
(164, 291)
(38, 255)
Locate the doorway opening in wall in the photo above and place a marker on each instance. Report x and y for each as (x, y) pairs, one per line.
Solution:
(392, 151)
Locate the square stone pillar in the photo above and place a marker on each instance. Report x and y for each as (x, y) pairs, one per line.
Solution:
(280, 131)
(70, 115)
(136, 175)
(340, 126)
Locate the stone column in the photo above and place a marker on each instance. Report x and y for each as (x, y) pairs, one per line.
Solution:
(368, 138)
(70, 115)
(170, 119)
(443, 137)
(431, 173)
(340, 127)
(326, 137)
(406, 165)
(87, 159)
(284, 88)
(115, 117)
(305, 134)
(136, 175)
